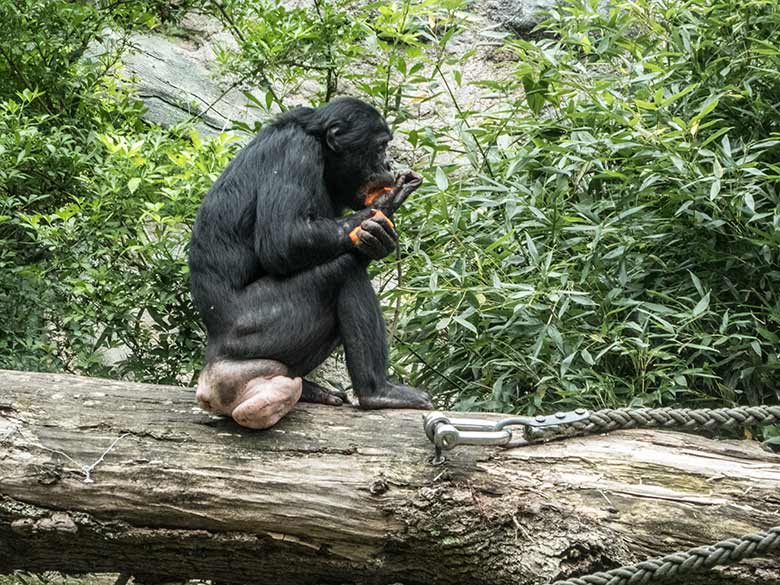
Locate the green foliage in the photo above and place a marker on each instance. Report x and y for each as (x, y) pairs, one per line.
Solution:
(43, 42)
(105, 267)
(279, 47)
(605, 231)
(376, 49)
(627, 248)
(95, 207)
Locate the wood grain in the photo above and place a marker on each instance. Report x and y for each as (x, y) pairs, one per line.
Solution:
(337, 495)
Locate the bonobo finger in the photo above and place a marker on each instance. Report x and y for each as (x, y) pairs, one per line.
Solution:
(385, 203)
(382, 219)
(369, 245)
(380, 227)
(389, 229)
(380, 232)
(411, 180)
(313, 392)
(406, 184)
(376, 247)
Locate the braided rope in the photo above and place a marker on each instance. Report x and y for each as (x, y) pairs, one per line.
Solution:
(602, 421)
(697, 559)
(683, 563)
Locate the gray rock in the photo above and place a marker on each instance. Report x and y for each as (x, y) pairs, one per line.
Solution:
(522, 16)
(176, 86)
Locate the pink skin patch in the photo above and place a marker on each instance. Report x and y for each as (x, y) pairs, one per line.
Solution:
(260, 404)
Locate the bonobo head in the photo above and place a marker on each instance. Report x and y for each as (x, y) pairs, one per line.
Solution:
(355, 138)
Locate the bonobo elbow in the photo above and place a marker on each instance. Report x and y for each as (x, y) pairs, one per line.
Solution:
(277, 266)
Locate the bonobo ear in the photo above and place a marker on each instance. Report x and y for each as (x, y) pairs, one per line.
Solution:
(331, 138)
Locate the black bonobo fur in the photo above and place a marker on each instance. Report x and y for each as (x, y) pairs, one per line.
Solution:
(275, 273)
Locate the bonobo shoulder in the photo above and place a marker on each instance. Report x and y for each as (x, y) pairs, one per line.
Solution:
(303, 117)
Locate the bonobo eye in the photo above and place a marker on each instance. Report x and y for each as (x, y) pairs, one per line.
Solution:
(383, 142)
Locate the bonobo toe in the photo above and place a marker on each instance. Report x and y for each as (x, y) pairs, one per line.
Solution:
(397, 396)
(313, 392)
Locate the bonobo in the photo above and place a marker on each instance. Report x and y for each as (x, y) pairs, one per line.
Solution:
(280, 277)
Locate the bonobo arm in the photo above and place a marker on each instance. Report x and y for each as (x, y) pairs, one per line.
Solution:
(290, 239)
(293, 228)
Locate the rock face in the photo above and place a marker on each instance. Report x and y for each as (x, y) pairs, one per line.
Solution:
(522, 16)
(176, 83)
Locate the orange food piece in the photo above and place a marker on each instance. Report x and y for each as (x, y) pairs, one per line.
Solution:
(374, 195)
(353, 235)
(378, 213)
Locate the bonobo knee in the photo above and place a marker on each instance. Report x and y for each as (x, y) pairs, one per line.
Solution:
(354, 263)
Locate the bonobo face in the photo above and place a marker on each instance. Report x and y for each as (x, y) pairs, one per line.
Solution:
(356, 139)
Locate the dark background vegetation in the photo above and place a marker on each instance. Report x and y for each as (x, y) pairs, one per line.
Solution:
(606, 234)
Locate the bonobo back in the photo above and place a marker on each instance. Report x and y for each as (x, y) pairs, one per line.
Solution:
(221, 257)
(223, 249)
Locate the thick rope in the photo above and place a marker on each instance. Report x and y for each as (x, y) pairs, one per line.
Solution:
(707, 419)
(697, 559)
(683, 563)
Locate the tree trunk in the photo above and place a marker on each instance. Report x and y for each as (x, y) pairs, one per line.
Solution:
(336, 495)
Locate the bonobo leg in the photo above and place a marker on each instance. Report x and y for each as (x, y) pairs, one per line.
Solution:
(272, 332)
(281, 329)
(362, 330)
(256, 393)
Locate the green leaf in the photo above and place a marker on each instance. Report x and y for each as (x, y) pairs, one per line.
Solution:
(441, 179)
(750, 202)
(768, 335)
(708, 107)
(466, 324)
(535, 93)
(702, 305)
(532, 251)
(696, 283)
(133, 183)
(714, 189)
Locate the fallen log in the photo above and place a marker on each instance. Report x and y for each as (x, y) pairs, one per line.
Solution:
(108, 476)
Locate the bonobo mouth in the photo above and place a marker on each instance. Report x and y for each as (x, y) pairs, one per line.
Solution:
(377, 185)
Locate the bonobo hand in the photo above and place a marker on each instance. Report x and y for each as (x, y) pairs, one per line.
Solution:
(406, 184)
(376, 236)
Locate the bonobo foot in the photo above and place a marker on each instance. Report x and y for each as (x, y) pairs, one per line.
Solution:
(313, 392)
(396, 396)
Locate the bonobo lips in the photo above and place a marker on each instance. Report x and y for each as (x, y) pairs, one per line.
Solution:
(377, 185)
(374, 194)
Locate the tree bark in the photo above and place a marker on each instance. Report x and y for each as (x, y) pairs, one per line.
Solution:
(337, 495)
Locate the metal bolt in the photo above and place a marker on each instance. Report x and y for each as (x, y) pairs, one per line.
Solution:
(540, 418)
(580, 411)
(560, 415)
